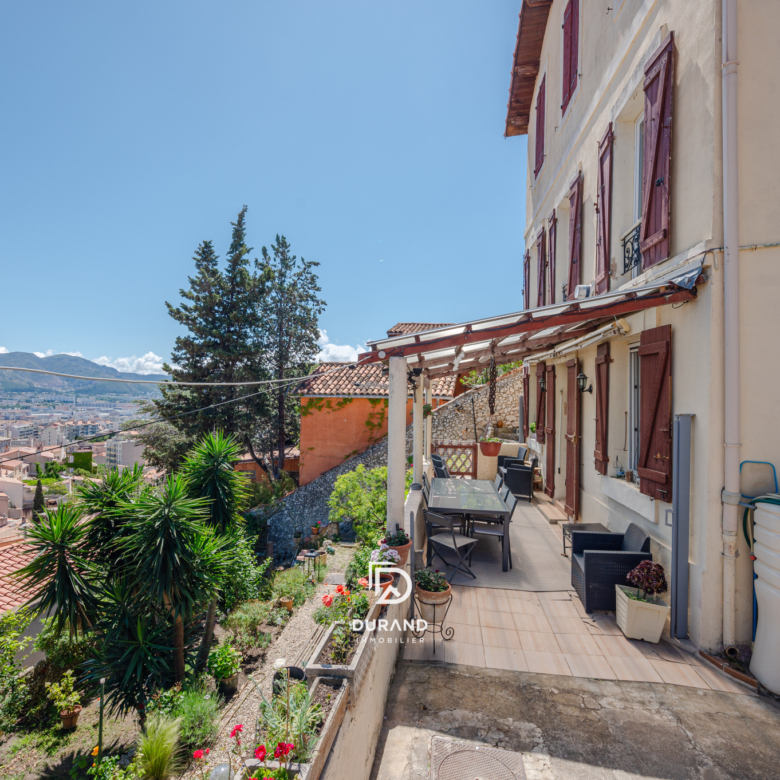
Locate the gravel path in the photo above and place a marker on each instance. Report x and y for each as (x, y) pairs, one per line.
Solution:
(243, 708)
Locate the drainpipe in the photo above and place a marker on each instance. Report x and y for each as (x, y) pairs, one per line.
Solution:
(396, 443)
(731, 492)
(417, 431)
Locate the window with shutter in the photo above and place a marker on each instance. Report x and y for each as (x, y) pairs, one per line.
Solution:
(549, 432)
(540, 103)
(526, 401)
(657, 156)
(602, 408)
(553, 222)
(541, 265)
(575, 235)
(541, 405)
(527, 280)
(572, 505)
(655, 415)
(604, 211)
(571, 37)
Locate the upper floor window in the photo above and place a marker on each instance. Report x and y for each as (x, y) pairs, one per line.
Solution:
(540, 100)
(571, 48)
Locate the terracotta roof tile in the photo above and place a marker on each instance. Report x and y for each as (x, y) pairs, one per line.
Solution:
(12, 558)
(366, 380)
(403, 328)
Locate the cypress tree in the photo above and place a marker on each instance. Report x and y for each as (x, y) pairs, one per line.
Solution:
(39, 503)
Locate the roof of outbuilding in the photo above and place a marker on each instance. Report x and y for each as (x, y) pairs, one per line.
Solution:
(367, 381)
(403, 328)
(12, 558)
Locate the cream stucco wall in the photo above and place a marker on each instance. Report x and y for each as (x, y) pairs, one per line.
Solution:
(614, 48)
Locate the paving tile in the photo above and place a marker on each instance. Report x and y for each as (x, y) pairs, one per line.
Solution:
(466, 615)
(497, 620)
(568, 625)
(465, 597)
(617, 646)
(578, 644)
(603, 624)
(536, 623)
(505, 658)
(579, 606)
(669, 653)
(464, 654)
(498, 637)
(558, 607)
(633, 668)
(679, 674)
(471, 635)
(538, 642)
(645, 648)
(547, 663)
(528, 607)
(720, 682)
(595, 666)
(419, 649)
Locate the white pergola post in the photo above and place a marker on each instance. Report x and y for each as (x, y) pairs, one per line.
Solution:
(419, 425)
(396, 443)
(428, 419)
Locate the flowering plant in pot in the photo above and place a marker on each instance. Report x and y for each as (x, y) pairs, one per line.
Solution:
(427, 410)
(401, 543)
(490, 446)
(639, 613)
(223, 665)
(383, 554)
(65, 699)
(432, 590)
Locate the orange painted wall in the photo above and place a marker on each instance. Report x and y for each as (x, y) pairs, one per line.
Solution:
(333, 430)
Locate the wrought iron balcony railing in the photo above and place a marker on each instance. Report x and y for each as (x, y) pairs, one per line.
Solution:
(632, 257)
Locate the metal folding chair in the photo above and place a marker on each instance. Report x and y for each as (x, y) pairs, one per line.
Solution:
(442, 536)
(495, 526)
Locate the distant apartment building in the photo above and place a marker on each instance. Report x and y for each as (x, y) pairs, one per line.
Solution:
(81, 429)
(123, 453)
(52, 435)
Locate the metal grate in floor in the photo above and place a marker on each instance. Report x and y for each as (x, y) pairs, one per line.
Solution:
(452, 760)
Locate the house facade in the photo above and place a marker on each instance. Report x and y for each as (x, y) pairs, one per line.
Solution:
(634, 145)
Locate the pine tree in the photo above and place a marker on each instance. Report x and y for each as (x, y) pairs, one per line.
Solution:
(221, 314)
(289, 332)
(39, 503)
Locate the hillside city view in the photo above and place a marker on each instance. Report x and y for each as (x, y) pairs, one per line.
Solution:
(384, 390)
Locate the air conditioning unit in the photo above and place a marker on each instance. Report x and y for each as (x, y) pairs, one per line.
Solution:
(583, 291)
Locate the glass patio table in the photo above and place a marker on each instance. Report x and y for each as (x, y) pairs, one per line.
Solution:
(473, 497)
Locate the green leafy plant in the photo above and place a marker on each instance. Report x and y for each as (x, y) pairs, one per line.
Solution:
(427, 410)
(224, 662)
(62, 694)
(164, 702)
(158, 756)
(245, 625)
(532, 426)
(14, 693)
(432, 581)
(291, 717)
(650, 578)
(292, 584)
(341, 643)
(64, 650)
(490, 439)
(397, 539)
(245, 578)
(198, 711)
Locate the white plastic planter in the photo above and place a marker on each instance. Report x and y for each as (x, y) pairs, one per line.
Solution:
(640, 619)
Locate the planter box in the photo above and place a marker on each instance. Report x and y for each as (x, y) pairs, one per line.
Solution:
(640, 619)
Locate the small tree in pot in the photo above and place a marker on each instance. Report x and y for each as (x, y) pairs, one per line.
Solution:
(640, 614)
(65, 699)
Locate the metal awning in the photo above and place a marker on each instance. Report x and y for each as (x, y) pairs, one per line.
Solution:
(510, 337)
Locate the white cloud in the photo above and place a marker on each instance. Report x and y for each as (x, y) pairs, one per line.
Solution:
(341, 353)
(48, 353)
(72, 354)
(146, 364)
(3, 350)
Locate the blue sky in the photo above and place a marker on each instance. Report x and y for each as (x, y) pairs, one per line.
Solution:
(370, 134)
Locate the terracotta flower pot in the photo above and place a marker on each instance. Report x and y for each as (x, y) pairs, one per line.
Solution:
(70, 718)
(427, 600)
(385, 581)
(286, 604)
(490, 449)
(229, 685)
(402, 550)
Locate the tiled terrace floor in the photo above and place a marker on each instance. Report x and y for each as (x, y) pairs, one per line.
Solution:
(550, 633)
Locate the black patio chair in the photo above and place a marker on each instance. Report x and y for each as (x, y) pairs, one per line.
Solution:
(495, 526)
(441, 533)
(498, 482)
(601, 561)
(519, 479)
(505, 460)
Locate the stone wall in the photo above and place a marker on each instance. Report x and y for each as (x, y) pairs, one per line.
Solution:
(453, 420)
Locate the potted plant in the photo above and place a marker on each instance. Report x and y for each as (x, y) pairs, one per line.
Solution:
(640, 614)
(532, 426)
(223, 665)
(401, 543)
(383, 554)
(489, 446)
(427, 410)
(432, 590)
(286, 602)
(65, 699)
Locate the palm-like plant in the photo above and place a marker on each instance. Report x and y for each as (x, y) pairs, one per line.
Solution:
(61, 576)
(209, 470)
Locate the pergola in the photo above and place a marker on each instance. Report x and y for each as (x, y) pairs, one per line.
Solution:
(416, 358)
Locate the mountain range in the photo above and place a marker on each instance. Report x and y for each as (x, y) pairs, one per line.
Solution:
(22, 381)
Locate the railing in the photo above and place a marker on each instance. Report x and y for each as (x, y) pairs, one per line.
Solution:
(460, 457)
(632, 257)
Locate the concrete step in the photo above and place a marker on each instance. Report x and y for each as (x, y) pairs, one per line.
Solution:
(549, 508)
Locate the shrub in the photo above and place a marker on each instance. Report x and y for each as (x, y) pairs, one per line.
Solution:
(292, 584)
(244, 625)
(224, 662)
(62, 650)
(14, 694)
(244, 576)
(359, 498)
(158, 748)
(164, 702)
(199, 715)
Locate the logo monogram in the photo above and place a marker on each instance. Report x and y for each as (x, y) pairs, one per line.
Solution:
(391, 594)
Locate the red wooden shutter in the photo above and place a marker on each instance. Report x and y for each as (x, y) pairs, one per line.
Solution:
(541, 398)
(549, 432)
(655, 413)
(540, 103)
(657, 155)
(527, 280)
(551, 255)
(541, 264)
(574, 49)
(566, 80)
(575, 235)
(601, 452)
(604, 209)
(572, 505)
(526, 401)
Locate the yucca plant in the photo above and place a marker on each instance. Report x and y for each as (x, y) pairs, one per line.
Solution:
(159, 755)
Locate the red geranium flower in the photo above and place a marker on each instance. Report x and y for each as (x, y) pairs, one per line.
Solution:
(260, 753)
(237, 730)
(197, 755)
(340, 589)
(363, 581)
(327, 599)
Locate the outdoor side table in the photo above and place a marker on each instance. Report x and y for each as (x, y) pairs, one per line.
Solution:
(568, 528)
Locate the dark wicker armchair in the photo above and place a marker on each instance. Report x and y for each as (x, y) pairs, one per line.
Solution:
(519, 478)
(601, 561)
(506, 460)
